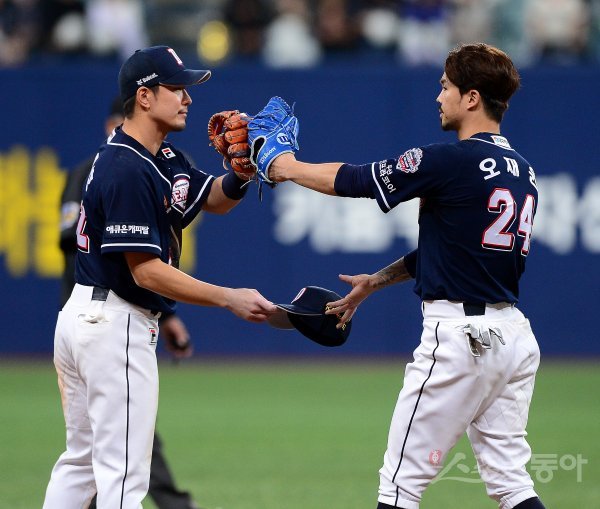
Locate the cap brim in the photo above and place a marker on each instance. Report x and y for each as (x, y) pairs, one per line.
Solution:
(280, 320)
(187, 77)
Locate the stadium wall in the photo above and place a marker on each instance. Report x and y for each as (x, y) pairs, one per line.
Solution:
(53, 119)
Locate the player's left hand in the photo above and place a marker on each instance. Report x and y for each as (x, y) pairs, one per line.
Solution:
(176, 337)
(228, 134)
(362, 287)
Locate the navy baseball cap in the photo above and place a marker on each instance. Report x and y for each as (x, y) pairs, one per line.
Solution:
(306, 313)
(157, 65)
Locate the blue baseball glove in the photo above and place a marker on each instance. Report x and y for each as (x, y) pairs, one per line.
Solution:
(273, 131)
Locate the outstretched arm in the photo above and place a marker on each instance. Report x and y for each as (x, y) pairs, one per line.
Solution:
(364, 285)
(318, 177)
(150, 272)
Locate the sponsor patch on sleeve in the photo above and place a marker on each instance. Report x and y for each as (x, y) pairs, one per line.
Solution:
(127, 230)
(386, 168)
(409, 161)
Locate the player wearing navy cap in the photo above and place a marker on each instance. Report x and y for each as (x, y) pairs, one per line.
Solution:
(475, 367)
(141, 191)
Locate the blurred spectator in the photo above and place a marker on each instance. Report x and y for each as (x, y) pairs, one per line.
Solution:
(18, 30)
(379, 24)
(336, 27)
(116, 26)
(289, 41)
(508, 31)
(594, 38)
(559, 29)
(424, 35)
(472, 21)
(63, 26)
(248, 20)
(300, 33)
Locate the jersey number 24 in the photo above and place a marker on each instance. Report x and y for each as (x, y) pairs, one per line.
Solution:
(497, 235)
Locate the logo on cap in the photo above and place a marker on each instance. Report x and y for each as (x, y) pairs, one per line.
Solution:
(147, 78)
(175, 56)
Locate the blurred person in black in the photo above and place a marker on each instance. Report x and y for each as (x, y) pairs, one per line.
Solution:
(19, 30)
(172, 330)
(248, 20)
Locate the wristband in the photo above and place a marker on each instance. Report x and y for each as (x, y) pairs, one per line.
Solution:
(234, 187)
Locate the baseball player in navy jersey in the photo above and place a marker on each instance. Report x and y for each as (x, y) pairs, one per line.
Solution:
(140, 193)
(475, 366)
(173, 331)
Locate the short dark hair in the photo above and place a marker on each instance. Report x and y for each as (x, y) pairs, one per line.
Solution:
(128, 107)
(486, 69)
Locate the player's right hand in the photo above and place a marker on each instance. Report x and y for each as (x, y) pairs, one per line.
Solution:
(362, 287)
(249, 304)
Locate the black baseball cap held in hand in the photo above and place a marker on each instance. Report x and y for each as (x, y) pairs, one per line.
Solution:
(157, 65)
(306, 313)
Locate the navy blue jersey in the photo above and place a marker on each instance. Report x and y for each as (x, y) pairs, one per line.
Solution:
(478, 201)
(135, 201)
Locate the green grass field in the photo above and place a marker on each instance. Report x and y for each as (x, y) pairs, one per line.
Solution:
(299, 435)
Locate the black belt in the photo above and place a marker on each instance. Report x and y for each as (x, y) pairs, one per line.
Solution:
(100, 293)
(474, 308)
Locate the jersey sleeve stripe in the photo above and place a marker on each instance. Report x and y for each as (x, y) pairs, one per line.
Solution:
(131, 244)
(379, 187)
(187, 209)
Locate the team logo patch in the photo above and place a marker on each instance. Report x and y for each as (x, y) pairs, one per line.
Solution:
(180, 192)
(168, 153)
(409, 161)
(435, 457)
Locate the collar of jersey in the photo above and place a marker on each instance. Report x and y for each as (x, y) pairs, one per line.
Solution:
(122, 137)
(489, 138)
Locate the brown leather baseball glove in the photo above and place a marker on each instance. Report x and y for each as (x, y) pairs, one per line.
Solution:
(228, 134)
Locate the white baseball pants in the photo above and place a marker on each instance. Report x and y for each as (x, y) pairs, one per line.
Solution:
(104, 353)
(447, 390)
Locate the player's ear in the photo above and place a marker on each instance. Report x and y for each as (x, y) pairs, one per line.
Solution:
(143, 97)
(473, 99)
